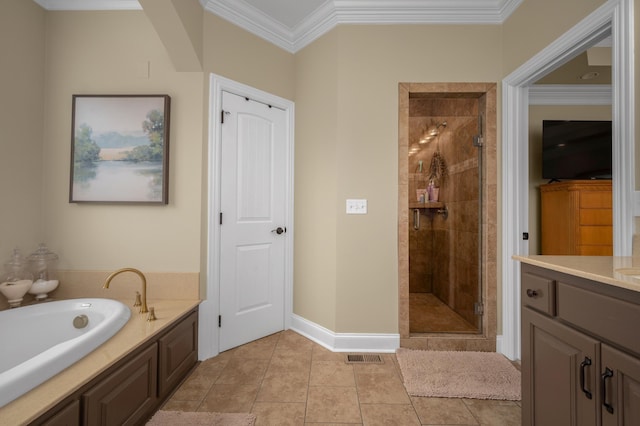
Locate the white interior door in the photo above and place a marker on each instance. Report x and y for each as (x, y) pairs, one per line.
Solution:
(252, 230)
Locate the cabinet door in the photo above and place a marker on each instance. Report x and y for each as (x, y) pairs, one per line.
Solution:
(178, 353)
(620, 388)
(127, 396)
(67, 416)
(559, 371)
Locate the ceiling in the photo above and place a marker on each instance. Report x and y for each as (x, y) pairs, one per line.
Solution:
(293, 24)
(579, 71)
(287, 13)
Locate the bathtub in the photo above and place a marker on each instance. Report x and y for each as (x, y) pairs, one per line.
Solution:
(39, 341)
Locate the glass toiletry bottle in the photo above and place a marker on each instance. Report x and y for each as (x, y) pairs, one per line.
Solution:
(43, 265)
(16, 279)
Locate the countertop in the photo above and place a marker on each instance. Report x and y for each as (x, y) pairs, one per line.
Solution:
(135, 333)
(618, 271)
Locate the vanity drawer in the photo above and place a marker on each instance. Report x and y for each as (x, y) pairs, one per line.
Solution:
(538, 293)
(610, 318)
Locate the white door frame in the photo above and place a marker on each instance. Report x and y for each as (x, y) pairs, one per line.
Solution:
(615, 16)
(209, 308)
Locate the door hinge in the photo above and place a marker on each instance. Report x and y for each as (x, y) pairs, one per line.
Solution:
(221, 116)
(478, 308)
(219, 320)
(220, 218)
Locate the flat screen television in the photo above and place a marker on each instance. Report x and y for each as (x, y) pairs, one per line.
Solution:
(573, 149)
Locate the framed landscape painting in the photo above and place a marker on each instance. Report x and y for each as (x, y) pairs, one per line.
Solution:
(120, 149)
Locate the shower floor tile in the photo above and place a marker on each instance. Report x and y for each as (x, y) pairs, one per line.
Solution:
(428, 314)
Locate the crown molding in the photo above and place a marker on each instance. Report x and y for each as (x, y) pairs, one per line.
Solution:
(335, 12)
(329, 15)
(570, 94)
(251, 19)
(89, 4)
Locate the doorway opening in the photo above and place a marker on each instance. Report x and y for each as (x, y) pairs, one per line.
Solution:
(447, 220)
(615, 17)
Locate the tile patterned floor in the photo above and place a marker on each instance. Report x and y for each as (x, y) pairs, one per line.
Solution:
(286, 379)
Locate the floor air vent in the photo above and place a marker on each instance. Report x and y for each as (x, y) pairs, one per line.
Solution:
(364, 359)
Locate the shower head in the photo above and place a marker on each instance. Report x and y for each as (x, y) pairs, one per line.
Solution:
(431, 132)
(435, 130)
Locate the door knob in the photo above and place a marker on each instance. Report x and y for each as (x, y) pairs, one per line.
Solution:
(279, 230)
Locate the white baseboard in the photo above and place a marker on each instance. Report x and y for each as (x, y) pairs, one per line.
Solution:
(499, 348)
(499, 343)
(345, 342)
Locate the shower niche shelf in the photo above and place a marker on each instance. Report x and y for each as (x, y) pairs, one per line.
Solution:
(427, 205)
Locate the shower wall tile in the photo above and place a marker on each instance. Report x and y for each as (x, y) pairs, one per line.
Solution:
(491, 315)
(491, 164)
(403, 180)
(403, 219)
(403, 314)
(468, 245)
(467, 216)
(480, 345)
(490, 243)
(447, 344)
(492, 201)
(459, 191)
(417, 343)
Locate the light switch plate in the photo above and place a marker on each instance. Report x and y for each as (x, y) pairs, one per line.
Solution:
(356, 206)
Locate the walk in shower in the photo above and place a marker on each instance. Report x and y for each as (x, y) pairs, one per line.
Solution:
(447, 198)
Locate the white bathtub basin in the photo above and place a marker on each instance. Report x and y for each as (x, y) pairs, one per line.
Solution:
(39, 341)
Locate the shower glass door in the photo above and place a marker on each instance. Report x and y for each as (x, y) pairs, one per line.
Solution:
(445, 234)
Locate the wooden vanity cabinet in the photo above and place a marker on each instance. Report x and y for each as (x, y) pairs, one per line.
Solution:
(580, 356)
(125, 396)
(129, 392)
(557, 358)
(178, 353)
(621, 387)
(67, 415)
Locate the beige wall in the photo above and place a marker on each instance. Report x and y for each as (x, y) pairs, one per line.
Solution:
(234, 53)
(537, 113)
(636, 38)
(537, 23)
(22, 44)
(100, 53)
(191, 14)
(345, 86)
(362, 159)
(316, 181)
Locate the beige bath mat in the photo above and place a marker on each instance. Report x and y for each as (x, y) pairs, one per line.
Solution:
(188, 418)
(477, 375)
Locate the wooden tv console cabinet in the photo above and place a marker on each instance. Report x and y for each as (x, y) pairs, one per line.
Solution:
(576, 218)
